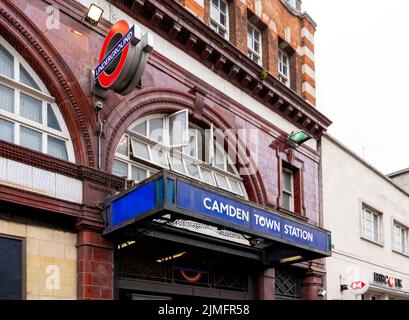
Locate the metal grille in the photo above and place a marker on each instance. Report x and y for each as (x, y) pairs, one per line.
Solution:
(139, 261)
(287, 284)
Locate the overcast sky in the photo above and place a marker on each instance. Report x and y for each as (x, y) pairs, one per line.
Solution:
(362, 73)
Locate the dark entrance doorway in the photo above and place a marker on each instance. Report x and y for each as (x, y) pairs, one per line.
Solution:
(156, 269)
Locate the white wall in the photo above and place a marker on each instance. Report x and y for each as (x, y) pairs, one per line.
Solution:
(346, 183)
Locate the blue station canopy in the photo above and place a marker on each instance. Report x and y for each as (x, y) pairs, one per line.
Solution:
(167, 192)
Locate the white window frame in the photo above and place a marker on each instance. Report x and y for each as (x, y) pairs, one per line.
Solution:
(286, 77)
(250, 46)
(218, 23)
(289, 193)
(45, 98)
(376, 216)
(403, 233)
(178, 152)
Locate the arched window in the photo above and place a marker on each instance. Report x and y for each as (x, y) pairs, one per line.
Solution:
(29, 116)
(172, 142)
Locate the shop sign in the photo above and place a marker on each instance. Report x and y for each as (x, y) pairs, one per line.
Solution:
(245, 215)
(388, 280)
(122, 59)
(354, 281)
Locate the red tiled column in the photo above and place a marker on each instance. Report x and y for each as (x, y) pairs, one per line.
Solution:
(311, 284)
(266, 285)
(95, 258)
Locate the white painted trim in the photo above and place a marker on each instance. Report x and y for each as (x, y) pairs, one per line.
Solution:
(306, 87)
(308, 70)
(305, 33)
(305, 51)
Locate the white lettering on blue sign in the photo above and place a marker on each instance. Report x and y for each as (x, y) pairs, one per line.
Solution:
(226, 209)
(298, 233)
(267, 222)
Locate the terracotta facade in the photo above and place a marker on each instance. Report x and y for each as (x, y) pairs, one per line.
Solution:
(64, 57)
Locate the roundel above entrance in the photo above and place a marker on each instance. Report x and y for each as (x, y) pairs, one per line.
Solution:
(122, 59)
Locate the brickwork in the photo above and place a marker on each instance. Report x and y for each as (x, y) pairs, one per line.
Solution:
(277, 18)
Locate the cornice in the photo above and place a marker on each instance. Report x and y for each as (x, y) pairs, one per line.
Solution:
(172, 22)
(301, 15)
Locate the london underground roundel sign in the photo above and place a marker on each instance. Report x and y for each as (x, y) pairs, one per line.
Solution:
(122, 59)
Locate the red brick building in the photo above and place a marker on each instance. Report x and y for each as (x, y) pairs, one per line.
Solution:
(229, 66)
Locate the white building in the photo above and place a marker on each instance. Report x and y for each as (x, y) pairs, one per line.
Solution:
(368, 215)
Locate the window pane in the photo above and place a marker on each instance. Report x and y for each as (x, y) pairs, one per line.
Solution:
(287, 201)
(52, 121)
(223, 7)
(123, 146)
(191, 148)
(6, 98)
(158, 157)
(287, 181)
(192, 170)
(177, 164)
(222, 181)
(235, 187)
(6, 63)
(219, 160)
(6, 130)
(139, 174)
(30, 138)
(31, 108)
(140, 128)
(27, 79)
(178, 129)
(140, 149)
(120, 168)
(57, 148)
(156, 130)
(207, 176)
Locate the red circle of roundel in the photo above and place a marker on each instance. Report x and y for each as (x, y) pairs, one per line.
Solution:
(104, 79)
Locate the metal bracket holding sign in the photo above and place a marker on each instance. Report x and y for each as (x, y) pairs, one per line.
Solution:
(122, 60)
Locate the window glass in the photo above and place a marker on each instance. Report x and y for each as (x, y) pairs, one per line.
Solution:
(138, 174)
(30, 138)
(192, 170)
(6, 63)
(235, 186)
(191, 147)
(222, 181)
(370, 225)
(158, 156)
(178, 128)
(140, 128)
(31, 108)
(28, 80)
(176, 163)
(36, 119)
(11, 269)
(140, 149)
(207, 176)
(287, 181)
(6, 98)
(123, 146)
(52, 121)
(156, 130)
(57, 148)
(120, 168)
(6, 130)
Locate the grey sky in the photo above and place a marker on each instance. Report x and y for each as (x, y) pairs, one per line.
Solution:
(362, 70)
